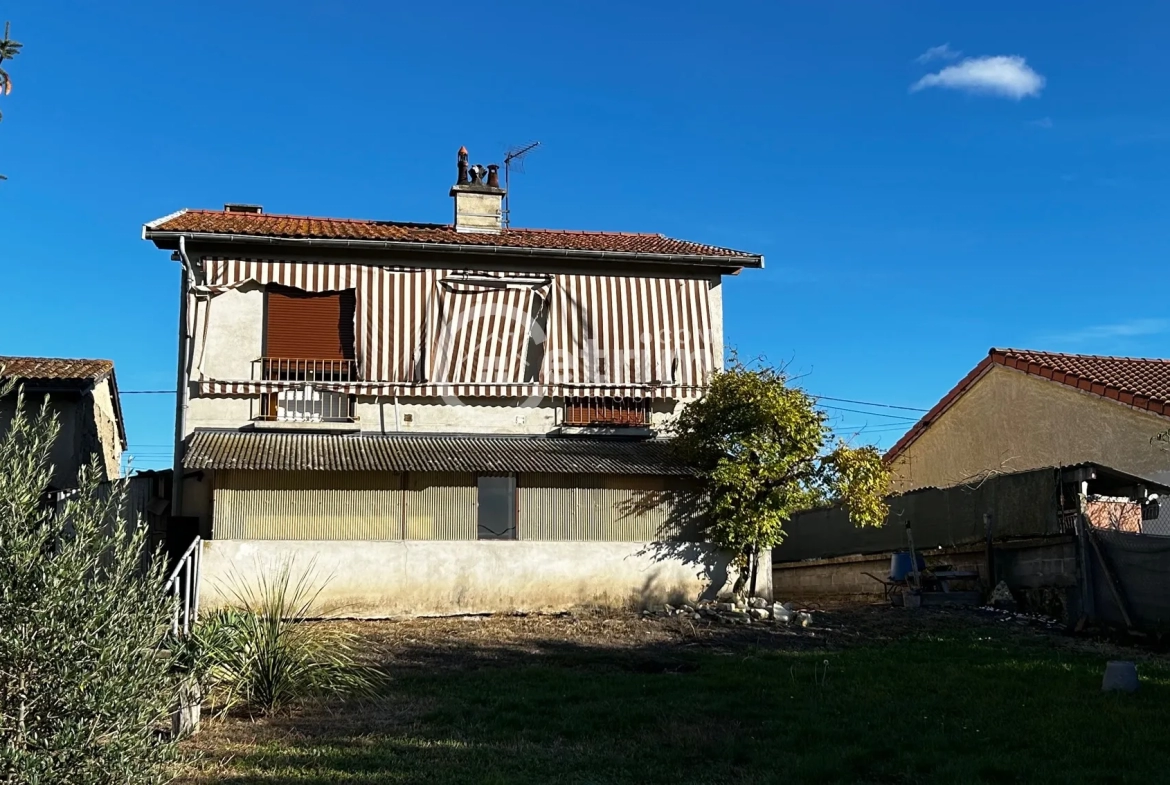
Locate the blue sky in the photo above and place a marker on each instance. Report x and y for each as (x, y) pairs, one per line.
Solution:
(915, 209)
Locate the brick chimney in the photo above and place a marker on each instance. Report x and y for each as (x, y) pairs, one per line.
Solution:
(478, 197)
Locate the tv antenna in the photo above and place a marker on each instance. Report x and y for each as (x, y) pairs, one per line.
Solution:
(514, 158)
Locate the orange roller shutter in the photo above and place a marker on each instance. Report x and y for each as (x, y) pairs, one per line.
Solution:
(305, 325)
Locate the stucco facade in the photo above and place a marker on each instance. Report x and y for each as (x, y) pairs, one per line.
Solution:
(410, 578)
(1010, 420)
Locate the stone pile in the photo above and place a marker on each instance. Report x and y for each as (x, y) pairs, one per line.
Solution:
(755, 610)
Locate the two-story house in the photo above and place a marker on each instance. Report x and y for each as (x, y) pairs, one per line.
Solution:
(440, 417)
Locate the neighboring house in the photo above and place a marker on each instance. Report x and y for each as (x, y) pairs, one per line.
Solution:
(83, 395)
(1021, 409)
(389, 401)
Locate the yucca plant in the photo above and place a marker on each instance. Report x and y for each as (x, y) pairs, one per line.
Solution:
(266, 654)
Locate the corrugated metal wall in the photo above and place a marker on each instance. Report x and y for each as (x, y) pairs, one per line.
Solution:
(440, 506)
(278, 505)
(594, 508)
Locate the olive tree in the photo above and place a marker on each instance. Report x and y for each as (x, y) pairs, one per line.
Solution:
(84, 682)
(763, 452)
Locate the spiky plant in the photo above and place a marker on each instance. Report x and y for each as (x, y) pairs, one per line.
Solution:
(8, 50)
(267, 653)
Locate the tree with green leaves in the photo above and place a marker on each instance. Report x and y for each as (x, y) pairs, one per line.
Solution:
(764, 452)
(85, 685)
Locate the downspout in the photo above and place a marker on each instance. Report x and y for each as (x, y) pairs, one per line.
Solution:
(181, 383)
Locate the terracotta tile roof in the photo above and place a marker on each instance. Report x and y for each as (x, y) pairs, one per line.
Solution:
(291, 451)
(54, 369)
(1134, 381)
(300, 227)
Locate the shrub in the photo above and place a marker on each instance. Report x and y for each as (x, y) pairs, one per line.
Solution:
(84, 683)
(267, 654)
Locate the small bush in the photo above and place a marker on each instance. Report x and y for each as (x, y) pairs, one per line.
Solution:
(267, 654)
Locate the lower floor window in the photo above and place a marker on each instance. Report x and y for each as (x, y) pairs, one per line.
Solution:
(496, 515)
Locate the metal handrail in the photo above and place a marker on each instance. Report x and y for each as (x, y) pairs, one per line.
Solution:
(183, 584)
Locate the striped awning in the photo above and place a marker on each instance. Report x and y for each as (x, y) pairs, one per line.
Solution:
(426, 331)
(291, 451)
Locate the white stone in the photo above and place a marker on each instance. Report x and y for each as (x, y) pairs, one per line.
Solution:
(758, 602)
(760, 613)
(1121, 676)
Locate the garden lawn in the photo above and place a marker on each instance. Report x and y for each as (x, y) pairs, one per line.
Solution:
(878, 695)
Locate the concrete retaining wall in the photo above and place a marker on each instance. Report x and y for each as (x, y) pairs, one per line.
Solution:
(366, 579)
(1027, 566)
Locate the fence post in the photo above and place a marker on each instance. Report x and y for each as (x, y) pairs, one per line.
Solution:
(198, 570)
(187, 586)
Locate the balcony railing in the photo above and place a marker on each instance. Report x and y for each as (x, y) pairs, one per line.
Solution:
(612, 412)
(282, 369)
(307, 402)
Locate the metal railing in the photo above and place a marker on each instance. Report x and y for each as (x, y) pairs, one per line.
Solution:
(286, 369)
(307, 402)
(183, 586)
(607, 411)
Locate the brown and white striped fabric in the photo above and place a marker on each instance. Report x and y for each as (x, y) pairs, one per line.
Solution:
(425, 332)
(618, 332)
(482, 332)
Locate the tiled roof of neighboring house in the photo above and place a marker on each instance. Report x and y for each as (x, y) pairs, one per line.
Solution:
(1135, 381)
(54, 369)
(293, 451)
(300, 227)
(59, 373)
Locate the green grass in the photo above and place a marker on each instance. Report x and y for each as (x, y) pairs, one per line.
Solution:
(968, 704)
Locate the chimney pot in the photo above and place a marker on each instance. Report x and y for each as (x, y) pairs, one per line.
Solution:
(478, 197)
(462, 179)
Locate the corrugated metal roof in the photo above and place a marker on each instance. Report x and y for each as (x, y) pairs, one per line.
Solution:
(409, 452)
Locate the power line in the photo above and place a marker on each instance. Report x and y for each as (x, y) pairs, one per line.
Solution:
(871, 414)
(146, 392)
(871, 403)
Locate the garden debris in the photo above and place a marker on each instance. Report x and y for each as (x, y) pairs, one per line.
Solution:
(755, 610)
(1001, 597)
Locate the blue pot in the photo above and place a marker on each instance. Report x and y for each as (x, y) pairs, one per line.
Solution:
(900, 565)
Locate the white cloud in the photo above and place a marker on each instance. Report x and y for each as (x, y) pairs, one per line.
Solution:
(1043, 122)
(1134, 328)
(1004, 75)
(943, 52)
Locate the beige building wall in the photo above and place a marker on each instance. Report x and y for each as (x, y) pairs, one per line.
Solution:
(1012, 421)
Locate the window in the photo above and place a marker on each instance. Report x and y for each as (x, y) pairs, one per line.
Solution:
(303, 325)
(497, 508)
(308, 337)
(607, 411)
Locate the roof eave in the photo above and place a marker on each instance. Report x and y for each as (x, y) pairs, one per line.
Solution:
(168, 240)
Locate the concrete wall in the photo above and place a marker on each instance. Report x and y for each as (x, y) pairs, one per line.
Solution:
(67, 453)
(408, 578)
(1010, 421)
(1041, 572)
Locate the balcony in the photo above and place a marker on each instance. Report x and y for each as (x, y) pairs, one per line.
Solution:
(307, 402)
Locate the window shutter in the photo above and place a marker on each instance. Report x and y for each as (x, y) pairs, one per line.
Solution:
(307, 325)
